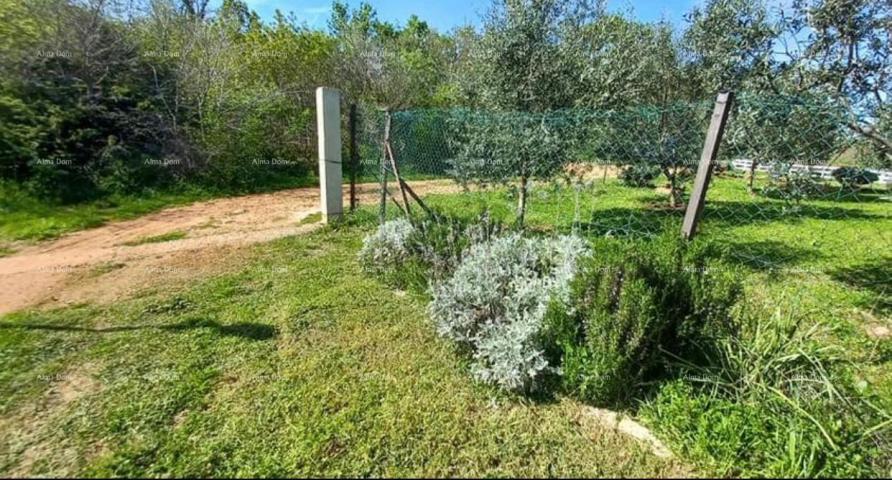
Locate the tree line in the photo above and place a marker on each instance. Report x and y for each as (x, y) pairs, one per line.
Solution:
(119, 96)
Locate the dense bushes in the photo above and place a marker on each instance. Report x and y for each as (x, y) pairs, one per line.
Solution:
(632, 304)
(407, 253)
(524, 307)
(639, 175)
(655, 325)
(854, 177)
(79, 107)
(102, 98)
(490, 291)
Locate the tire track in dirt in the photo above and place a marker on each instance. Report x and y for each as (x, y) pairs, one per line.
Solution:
(97, 265)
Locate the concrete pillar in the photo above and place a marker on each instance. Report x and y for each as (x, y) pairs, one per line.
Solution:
(328, 125)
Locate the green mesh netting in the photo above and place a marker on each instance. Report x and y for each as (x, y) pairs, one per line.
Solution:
(792, 178)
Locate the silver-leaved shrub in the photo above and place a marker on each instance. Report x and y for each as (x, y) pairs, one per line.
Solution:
(495, 302)
(387, 247)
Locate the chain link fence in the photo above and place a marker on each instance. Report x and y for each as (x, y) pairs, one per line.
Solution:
(794, 185)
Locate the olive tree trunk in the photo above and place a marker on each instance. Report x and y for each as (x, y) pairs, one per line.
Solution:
(751, 174)
(522, 200)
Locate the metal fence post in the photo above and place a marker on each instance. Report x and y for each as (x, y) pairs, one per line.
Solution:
(382, 213)
(354, 157)
(328, 121)
(707, 159)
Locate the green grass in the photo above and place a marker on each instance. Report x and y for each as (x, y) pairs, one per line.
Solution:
(311, 218)
(26, 218)
(827, 262)
(300, 365)
(164, 237)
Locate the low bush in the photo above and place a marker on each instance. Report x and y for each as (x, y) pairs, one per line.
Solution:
(631, 305)
(494, 304)
(639, 175)
(440, 241)
(386, 249)
(854, 177)
(410, 253)
(791, 185)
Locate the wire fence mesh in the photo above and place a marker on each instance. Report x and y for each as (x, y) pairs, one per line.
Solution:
(794, 184)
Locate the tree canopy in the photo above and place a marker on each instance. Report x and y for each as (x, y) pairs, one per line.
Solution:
(96, 93)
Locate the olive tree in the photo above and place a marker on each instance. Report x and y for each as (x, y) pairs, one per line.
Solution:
(839, 50)
(729, 45)
(521, 67)
(782, 130)
(499, 147)
(620, 62)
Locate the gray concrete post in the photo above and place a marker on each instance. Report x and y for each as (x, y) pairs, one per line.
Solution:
(328, 126)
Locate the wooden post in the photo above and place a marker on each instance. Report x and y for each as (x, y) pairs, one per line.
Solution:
(382, 214)
(417, 198)
(399, 180)
(354, 157)
(404, 187)
(328, 126)
(707, 158)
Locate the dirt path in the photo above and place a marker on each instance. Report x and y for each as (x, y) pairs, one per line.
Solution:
(99, 265)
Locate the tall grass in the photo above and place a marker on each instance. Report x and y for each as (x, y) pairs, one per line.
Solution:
(772, 399)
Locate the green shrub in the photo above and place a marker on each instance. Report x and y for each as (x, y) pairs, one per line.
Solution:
(412, 253)
(440, 241)
(639, 175)
(854, 177)
(791, 185)
(387, 248)
(494, 304)
(631, 304)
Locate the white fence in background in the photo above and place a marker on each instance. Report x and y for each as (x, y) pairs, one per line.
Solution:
(825, 172)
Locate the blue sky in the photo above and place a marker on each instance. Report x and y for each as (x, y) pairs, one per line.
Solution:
(446, 14)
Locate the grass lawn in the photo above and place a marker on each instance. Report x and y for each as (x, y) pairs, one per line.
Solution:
(302, 365)
(833, 255)
(299, 365)
(827, 262)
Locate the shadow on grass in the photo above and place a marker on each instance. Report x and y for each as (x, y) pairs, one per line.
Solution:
(646, 220)
(837, 194)
(767, 254)
(631, 223)
(246, 330)
(734, 213)
(873, 276)
(863, 195)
